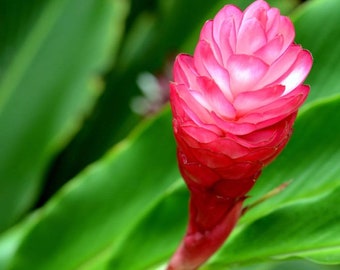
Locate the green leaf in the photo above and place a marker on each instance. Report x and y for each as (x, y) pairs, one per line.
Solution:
(284, 265)
(310, 183)
(308, 19)
(151, 42)
(10, 241)
(91, 215)
(118, 206)
(304, 229)
(316, 24)
(48, 87)
(159, 232)
(312, 229)
(309, 161)
(16, 18)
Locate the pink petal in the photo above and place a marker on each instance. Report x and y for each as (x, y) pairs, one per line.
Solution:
(280, 66)
(256, 10)
(251, 37)
(225, 26)
(286, 29)
(245, 71)
(228, 40)
(233, 127)
(238, 178)
(204, 59)
(268, 137)
(200, 133)
(195, 171)
(211, 159)
(277, 110)
(216, 99)
(229, 15)
(210, 131)
(184, 71)
(199, 96)
(286, 104)
(185, 106)
(271, 51)
(208, 66)
(283, 130)
(207, 35)
(262, 155)
(175, 102)
(258, 138)
(248, 101)
(298, 71)
(273, 23)
(228, 147)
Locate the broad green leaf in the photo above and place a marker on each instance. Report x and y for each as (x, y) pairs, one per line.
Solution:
(92, 214)
(310, 160)
(16, 17)
(10, 241)
(308, 19)
(302, 229)
(324, 255)
(159, 233)
(286, 265)
(311, 157)
(79, 214)
(48, 87)
(317, 29)
(153, 40)
(310, 183)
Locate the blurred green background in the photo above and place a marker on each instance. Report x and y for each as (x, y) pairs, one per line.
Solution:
(88, 173)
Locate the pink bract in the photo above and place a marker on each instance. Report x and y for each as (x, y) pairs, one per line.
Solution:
(234, 103)
(242, 86)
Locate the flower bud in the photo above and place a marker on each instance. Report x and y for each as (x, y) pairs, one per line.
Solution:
(234, 103)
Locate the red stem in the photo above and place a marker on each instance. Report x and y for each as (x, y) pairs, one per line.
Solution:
(211, 220)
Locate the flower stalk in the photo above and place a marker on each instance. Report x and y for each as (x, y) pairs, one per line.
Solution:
(234, 103)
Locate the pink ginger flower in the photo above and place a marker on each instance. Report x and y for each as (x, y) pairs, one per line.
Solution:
(234, 104)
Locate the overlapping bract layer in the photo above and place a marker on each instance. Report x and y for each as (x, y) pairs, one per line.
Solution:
(234, 102)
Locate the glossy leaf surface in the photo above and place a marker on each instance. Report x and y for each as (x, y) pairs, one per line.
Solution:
(128, 210)
(46, 90)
